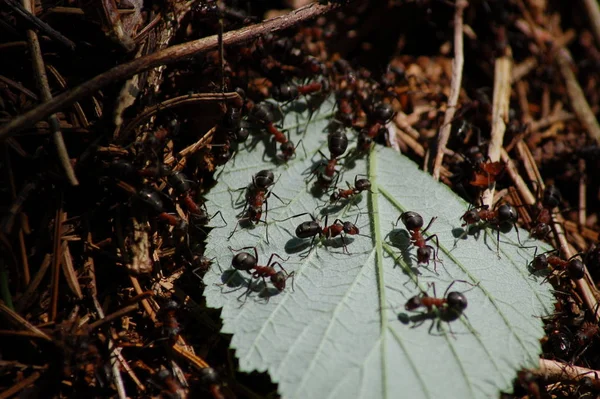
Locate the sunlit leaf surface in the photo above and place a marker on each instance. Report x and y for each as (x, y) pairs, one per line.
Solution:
(342, 331)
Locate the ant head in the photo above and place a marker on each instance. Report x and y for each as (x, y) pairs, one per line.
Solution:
(264, 179)
(337, 142)
(364, 142)
(179, 181)
(244, 261)
(383, 112)
(350, 228)
(413, 303)
(471, 217)
(541, 230)
(362, 184)
(552, 197)
(456, 301)
(278, 280)
(576, 269)
(507, 213)
(334, 196)
(288, 147)
(412, 220)
(540, 262)
(201, 262)
(423, 254)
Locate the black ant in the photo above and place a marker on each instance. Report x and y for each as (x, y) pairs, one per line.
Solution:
(198, 213)
(263, 114)
(573, 267)
(170, 328)
(289, 91)
(451, 305)
(497, 218)
(313, 229)
(542, 223)
(337, 142)
(413, 223)
(360, 185)
(257, 194)
(152, 199)
(381, 114)
(244, 261)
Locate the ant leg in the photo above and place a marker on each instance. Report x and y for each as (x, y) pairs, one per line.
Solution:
(236, 226)
(311, 247)
(428, 225)
(460, 281)
(296, 216)
(271, 258)
(220, 214)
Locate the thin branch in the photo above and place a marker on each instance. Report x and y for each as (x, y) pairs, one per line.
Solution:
(501, 105)
(41, 78)
(578, 102)
(164, 57)
(593, 10)
(457, 70)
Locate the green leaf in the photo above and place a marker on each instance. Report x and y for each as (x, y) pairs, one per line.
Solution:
(343, 331)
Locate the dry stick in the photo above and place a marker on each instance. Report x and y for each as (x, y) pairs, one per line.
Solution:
(44, 89)
(23, 301)
(561, 116)
(554, 371)
(501, 103)
(118, 314)
(56, 257)
(593, 10)
(581, 215)
(16, 320)
(457, 70)
(188, 99)
(578, 102)
(190, 150)
(164, 57)
(19, 386)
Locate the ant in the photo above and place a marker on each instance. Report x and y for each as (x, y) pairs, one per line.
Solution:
(413, 223)
(265, 116)
(550, 200)
(243, 261)
(152, 199)
(180, 183)
(381, 114)
(289, 91)
(170, 328)
(313, 229)
(257, 194)
(360, 185)
(451, 305)
(337, 142)
(573, 267)
(505, 214)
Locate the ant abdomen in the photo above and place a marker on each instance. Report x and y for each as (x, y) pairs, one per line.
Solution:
(244, 261)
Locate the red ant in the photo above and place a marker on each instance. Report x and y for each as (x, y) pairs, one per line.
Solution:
(244, 261)
(496, 218)
(289, 91)
(170, 328)
(152, 199)
(360, 185)
(451, 306)
(199, 213)
(550, 200)
(313, 229)
(257, 194)
(265, 116)
(413, 223)
(337, 142)
(574, 268)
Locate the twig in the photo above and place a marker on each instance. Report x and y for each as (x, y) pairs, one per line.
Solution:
(56, 257)
(44, 89)
(16, 320)
(593, 10)
(25, 12)
(19, 386)
(164, 57)
(553, 370)
(23, 301)
(457, 69)
(119, 313)
(190, 99)
(578, 102)
(501, 103)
